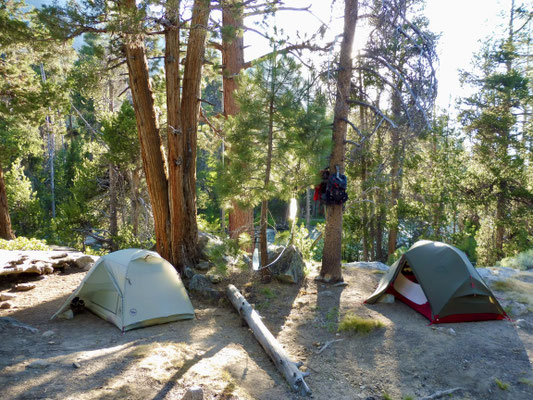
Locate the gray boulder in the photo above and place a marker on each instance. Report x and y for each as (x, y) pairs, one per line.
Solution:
(368, 265)
(203, 266)
(290, 265)
(201, 286)
(86, 262)
(492, 274)
(207, 241)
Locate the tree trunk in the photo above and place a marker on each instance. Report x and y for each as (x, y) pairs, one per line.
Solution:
(240, 219)
(184, 205)
(265, 273)
(151, 147)
(395, 176)
(500, 225)
(331, 258)
(364, 196)
(113, 222)
(174, 132)
(135, 180)
(5, 221)
(308, 208)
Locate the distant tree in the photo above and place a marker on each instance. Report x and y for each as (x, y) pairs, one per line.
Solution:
(275, 140)
(25, 99)
(494, 118)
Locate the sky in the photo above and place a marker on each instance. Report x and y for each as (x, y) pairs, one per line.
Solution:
(463, 24)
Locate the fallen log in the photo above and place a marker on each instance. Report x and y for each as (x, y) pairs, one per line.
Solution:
(288, 368)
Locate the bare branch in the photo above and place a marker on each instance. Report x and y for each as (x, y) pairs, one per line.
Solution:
(375, 109)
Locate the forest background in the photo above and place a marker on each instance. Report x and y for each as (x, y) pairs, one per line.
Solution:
(73, 164)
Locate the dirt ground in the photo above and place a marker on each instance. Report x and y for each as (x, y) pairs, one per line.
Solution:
(88, 358)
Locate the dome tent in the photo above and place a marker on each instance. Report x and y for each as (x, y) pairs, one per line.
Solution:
(133, 288)
(439, 281)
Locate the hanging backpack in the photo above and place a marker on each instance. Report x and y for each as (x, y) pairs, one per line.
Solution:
(336, 189)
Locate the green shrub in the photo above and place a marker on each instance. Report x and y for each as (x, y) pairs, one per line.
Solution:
(353, 324)
(522, 261)
(396, 255)
(300, 239)
(23, 243)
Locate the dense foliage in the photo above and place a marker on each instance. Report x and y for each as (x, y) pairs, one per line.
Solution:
(71, 160)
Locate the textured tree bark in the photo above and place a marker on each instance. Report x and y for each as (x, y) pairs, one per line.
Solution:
(331, 258)
(174, 133)
(5, 221)
(185, 244)
(151, 147)
(283, 363)
(240, 219)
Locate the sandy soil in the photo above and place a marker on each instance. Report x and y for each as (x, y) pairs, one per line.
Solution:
(88, 358)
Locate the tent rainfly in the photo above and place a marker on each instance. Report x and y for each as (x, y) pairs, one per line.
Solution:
(438, 281)
(133, 288)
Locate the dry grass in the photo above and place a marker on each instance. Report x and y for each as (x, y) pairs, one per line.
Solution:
(516, 290)
(353, 324)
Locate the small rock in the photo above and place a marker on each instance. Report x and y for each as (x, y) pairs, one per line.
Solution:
(48, 269)
(203, 266)
(38, 364)
(194, 393)
(48, 334)
(85, 262)
(188, 273)
(35, 269)
(451, 331)
(7, 296)
(519, 309)
(201, 285)
(24, 287)
(5, 306)
(66, 315)
(386, 298)
(76, 364)
(51, 342)
(214, 279)
(60, 255)
(523, 324)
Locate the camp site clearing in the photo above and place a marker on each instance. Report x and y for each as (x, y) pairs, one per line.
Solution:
(89, 358)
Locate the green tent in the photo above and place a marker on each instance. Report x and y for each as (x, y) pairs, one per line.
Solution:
(133, 288)
(439, 281)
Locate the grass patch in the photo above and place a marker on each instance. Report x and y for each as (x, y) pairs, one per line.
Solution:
(268, 293)
(516, 290)
(387, 396)
(230, 387)
(378, 272)
(525, 381)
(353, 324)
(501, 385)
